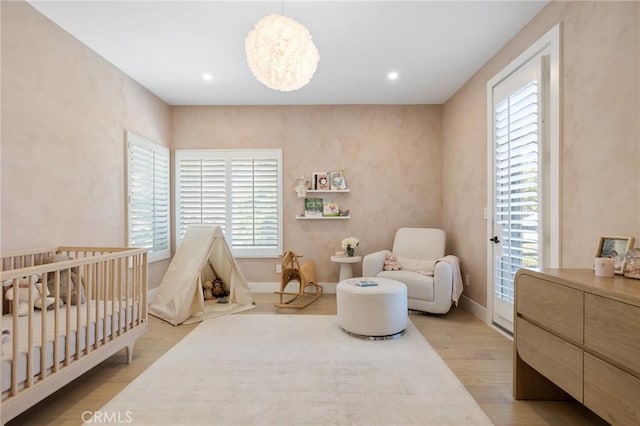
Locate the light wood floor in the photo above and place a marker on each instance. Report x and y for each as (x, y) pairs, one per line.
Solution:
(479, 356)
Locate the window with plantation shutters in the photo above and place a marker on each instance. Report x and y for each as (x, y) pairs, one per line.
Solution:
(148, 217)
(516, 185)
(238, 190)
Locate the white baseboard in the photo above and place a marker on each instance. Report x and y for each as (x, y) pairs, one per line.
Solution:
(476, 309)
(270, 287)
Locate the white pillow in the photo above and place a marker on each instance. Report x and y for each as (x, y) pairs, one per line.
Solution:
(416, 265)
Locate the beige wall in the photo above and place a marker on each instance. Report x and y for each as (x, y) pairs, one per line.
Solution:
(65, 109)
(392, 157)
(64, 114)
(600, 177)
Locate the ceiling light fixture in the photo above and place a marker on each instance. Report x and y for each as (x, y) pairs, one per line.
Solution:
(207, 77)
(280, 53)
(393, 75)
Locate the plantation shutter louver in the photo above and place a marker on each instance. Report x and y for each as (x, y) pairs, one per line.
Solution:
(239, 190)
(148, 196)
(516, 184)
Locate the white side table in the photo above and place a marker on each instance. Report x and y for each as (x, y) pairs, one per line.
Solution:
(346, 271)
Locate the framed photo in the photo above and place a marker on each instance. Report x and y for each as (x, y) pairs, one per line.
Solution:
(321, 181)
(313, 207)
(329, 208)
(337, 181)
(615, 248)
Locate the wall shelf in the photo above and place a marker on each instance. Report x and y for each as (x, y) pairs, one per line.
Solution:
(323, 217)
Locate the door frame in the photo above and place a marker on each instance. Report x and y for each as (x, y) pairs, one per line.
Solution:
(549, 45)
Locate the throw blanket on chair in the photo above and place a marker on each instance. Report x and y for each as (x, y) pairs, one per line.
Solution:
(457, 276)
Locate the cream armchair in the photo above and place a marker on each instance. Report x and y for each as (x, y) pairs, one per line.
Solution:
(427, 273)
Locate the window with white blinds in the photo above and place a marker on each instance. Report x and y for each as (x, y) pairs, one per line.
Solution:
(516, 184)
(148, 219)
(238, 190)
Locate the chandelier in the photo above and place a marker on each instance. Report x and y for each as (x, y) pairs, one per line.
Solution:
(281, 54)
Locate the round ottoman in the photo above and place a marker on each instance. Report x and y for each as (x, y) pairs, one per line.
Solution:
(375, 312)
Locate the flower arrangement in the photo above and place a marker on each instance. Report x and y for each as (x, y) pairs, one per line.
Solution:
(351, 241)
(349, 244)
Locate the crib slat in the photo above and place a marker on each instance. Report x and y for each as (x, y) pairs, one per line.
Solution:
(105, 328)
(30, 308)
(98, 288)
(43, 333)
(145, 284)
(67, 323)
(112, 269)
(122, 265)
(78, 312)
(56, 321)
(89, 289)
(16, 338)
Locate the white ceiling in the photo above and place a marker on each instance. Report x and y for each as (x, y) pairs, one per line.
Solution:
(166, 46)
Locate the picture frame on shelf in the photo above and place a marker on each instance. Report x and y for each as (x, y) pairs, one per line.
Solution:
(337, 181)
(321, 181)
(313, 207)
(329, 208)
(615, 248)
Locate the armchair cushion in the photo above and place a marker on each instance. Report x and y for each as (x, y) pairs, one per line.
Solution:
(409, 264)
(419, 286)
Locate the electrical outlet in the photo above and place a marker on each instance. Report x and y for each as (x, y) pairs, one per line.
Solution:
(278, 268)
(466, 280)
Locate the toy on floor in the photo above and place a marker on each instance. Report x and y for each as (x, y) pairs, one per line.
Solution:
(207, 288)
(305, 276)
(218, 289)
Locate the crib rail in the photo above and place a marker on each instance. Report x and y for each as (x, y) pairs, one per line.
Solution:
(114, 282)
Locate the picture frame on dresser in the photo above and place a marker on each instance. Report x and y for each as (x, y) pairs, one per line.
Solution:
(615, 248)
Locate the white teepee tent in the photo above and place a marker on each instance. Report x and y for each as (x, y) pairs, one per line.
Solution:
(179, 298)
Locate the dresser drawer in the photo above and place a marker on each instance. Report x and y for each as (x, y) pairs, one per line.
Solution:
(556, 307)
(554, 358)
(612, 329)
(611, 393)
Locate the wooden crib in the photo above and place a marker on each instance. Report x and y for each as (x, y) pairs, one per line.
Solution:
(47, 349)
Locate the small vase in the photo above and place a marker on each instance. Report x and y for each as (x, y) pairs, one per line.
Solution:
(350, 251)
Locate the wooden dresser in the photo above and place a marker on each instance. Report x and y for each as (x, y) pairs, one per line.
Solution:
(577, 334)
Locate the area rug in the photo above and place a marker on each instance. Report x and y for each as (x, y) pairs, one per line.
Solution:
(295, 370)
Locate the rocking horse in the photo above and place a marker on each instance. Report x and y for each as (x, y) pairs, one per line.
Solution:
(309, 290)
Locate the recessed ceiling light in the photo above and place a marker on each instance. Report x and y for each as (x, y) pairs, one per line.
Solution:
(393, 75)
(207, 77)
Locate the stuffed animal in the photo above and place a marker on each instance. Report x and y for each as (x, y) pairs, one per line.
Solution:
(219, 289)
(45, 301)
(71, 285)
(25, 285)
(391, 263)
(207, 288)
